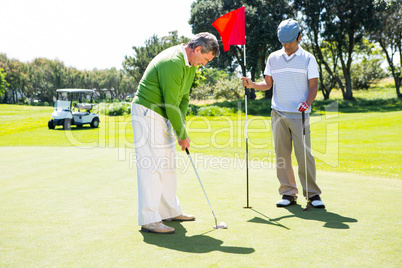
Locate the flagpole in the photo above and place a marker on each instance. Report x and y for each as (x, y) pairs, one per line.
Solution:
(245, 107)
(232, 29)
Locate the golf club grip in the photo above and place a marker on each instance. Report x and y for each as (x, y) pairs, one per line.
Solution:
(304, 125)
(187, 151)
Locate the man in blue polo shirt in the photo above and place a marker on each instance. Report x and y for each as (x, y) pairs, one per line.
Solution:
(293, 73)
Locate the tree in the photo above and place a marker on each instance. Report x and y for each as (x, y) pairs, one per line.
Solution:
(341, 24)
(111, 81)
(203, 13)
(328, 66)
(38, 80)
(228, 89)
(136, 65)
(367, 65)
(127, 85)
(46, 76)
(262, 19)
(389, 35)
(345, 22)
(212, 75)
(3, 82)
(324, 51)
(17, 79)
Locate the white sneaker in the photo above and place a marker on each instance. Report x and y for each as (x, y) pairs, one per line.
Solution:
(286, 200)
(316, 202)
(157, 227)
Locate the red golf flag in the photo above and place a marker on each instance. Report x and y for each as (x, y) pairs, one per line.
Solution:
(232, 28)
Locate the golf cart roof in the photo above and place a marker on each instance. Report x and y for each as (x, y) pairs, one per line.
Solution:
(75, 90)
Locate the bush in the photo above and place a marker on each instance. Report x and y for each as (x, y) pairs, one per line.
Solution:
(365, 72)
(230, 89)
(214, 111)
(114, 109)
(201, 92)
(212, 75)
(192, 110)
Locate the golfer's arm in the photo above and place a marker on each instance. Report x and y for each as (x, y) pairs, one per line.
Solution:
(184, 106)
(263, 85)
(170, 79)
(312, 93)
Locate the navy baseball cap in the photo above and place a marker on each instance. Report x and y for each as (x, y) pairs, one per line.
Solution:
(288, 31)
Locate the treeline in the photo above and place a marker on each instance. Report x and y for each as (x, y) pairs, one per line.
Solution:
(37, 81)
(349, 38)
(335, 31)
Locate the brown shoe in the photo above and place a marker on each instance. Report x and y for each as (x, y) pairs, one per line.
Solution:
(183, 217)
(157, 227)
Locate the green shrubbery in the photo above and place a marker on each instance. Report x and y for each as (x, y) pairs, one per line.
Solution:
(229, 108)
(214, 111)
(230, 89)
(227, 88)
(255, 107)
(26, 101)
(124, 108)
(366, 72)
(202, 92)
(377, 98)
(113, 109)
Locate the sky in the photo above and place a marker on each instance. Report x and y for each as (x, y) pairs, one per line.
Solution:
(87, 34)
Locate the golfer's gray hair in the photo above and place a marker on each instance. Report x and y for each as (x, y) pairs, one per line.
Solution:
(207, 41)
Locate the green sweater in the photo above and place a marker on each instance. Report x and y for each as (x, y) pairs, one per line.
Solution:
(165, 86)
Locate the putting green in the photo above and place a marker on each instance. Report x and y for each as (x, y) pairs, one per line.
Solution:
(77, 207)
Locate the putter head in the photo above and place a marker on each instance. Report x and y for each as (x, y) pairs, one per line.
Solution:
(221, 225)
(308, 206)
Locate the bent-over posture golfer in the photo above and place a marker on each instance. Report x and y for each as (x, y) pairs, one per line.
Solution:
(158, 117)
(293, 73)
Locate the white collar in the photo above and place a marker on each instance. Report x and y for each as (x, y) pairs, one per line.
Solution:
(297, 53)
(185, 56)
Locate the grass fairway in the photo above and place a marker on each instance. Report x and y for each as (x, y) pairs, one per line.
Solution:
(366, 143)
(68, 206)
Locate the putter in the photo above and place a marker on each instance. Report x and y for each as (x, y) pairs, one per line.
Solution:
(308, 205)
(222, 225)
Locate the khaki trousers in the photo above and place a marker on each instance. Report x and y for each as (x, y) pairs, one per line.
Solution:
(156, 166)
(285, 132)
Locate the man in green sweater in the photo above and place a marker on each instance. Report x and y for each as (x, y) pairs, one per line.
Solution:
(158, 110)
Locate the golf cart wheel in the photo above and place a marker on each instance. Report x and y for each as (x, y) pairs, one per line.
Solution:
(67, 124)
(50, 124)
(95, 122)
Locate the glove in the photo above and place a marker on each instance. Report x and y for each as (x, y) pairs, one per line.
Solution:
(303, 107)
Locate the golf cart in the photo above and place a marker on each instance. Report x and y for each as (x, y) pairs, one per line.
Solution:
(66, 113)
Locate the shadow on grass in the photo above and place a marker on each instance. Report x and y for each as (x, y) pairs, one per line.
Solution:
(330, 219)
(359, 105)
(75, 128)
(192, 244)
(269, 221)
(262, 107)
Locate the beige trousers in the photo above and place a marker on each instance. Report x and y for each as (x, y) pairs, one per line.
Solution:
(155, 147)
(285, 133)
